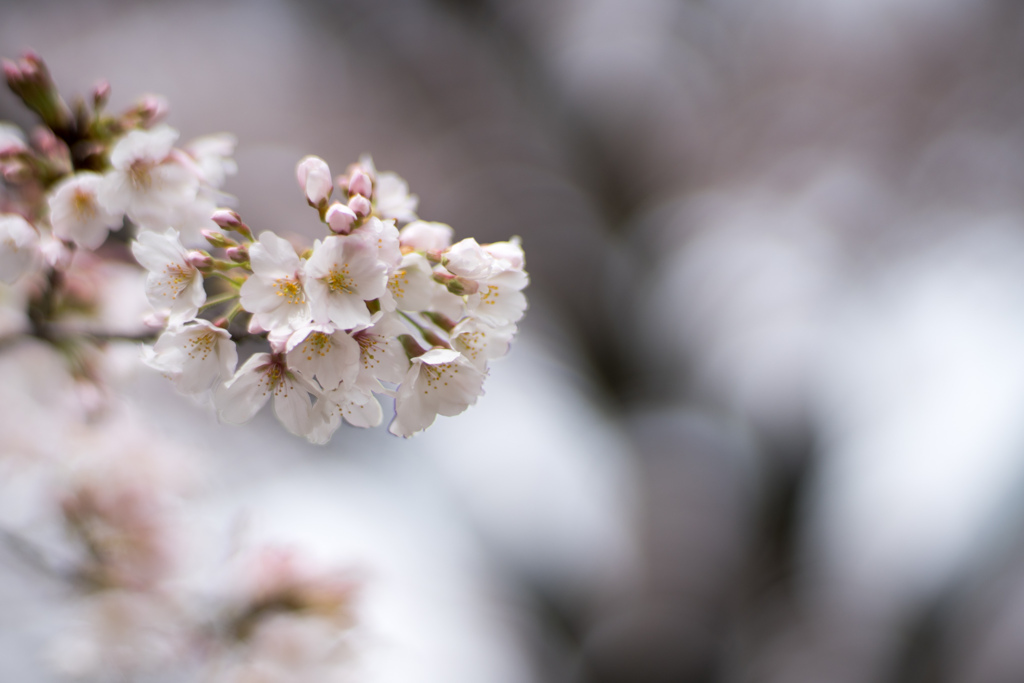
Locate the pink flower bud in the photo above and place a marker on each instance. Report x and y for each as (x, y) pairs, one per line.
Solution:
(360, 205)
(11, 72)
(100, 94)
(152, 109)
(340, 218)
(360, 183)
(239, 254)
(200, 260)
(315, 179)
(45, 141)
(217, 239)
(226, 218)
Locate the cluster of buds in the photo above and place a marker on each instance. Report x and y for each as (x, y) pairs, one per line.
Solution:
(368, 310)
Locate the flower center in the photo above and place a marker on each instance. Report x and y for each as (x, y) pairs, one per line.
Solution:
(139, 174)
(201, 345)
(177, 278)
(317, 343)
(84, 204)
(291, 289)
(339, 280)
(397, 284)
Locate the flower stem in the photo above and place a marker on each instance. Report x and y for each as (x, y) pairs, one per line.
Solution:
(217, 300)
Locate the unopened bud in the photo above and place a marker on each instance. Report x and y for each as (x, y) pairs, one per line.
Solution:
(315, 179)
(100, 94)
(12, 74)
(218, 239)
(152, 109)
(238, 254)
(360, 205)
(15, 172)
(45, 141)
(340, 218)
(200, 260)
(460, 286)
(230, 220)
(360, 183)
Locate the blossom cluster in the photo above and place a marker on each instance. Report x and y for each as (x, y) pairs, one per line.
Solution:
(88, 497)
(384, 304)
(370, 309)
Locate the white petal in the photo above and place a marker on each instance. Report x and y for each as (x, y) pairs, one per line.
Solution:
(241, 397)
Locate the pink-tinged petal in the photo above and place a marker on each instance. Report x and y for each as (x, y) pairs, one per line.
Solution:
(365, 415)
(314, 178)
(292, 406)
(426, 236)
(257, 295)
(241, 397)
(411, 416)
(19, 247)
(511, 252)
(347, 311)
(155, 250)
(273, 257)
(468, 259)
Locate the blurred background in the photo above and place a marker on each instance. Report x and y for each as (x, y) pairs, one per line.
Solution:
(763, 421)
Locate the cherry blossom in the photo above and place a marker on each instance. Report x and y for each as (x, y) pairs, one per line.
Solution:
(393, 199)
(264, 375)
(480, 342)
(173, 282)
(148, 182)
(440, 382)
(195, 356)
(426, 236)
(19, 247)
(275, 293)
(341, 275)
(410, 287)
(76, 213)
(323, 351)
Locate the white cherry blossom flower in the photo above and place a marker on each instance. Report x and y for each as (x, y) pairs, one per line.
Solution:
(352, 402)
(500, 279)
(195, 356)
(382, 235)
(262, 376)
(212, 154)
(173, 282)
(19, 247)
(426, 236)
(392, 198)
(500, 299)
(381, 356)
(77, 214)
(410, 287)
(275, 294)
(468, 259)
(148, 182)
(324, 351)
(341, 275)
(480, 342)
(440, 382)
(511, 252)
